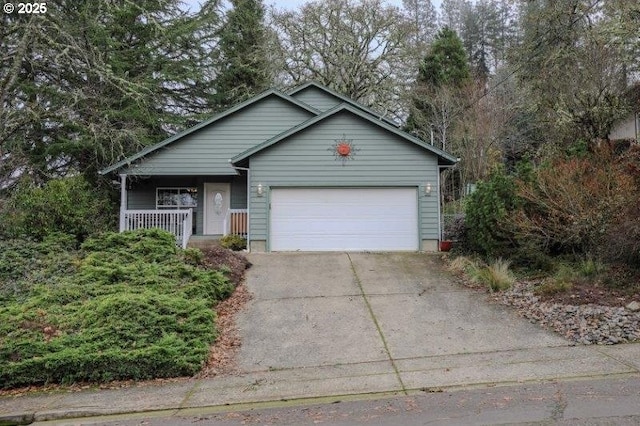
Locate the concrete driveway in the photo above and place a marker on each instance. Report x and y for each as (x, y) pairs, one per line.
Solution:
(377, 322)
(336, 326)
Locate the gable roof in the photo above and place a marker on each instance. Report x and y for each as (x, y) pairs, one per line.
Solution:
(345, 105)
(445, 157)
(152, 148)
(342, 99)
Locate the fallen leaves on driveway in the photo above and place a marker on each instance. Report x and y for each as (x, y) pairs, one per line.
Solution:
(222, 354)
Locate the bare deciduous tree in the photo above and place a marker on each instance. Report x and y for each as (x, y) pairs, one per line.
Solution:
(424, 23)
(356, 47)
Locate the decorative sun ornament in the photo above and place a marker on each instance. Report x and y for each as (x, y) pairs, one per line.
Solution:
(343, 149)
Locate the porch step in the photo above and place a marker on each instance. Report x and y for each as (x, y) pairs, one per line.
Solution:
(203, 242)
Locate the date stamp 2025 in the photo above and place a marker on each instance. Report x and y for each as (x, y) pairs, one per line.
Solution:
(25, 8)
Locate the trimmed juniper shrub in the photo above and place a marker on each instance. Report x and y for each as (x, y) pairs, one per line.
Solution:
(124, 306)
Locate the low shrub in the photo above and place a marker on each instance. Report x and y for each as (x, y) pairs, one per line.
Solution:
(591, 268)
(567, 275)
(552, 286)
(488, 231)
(124, 306)
(68, 205)
(496, 276)
(24, 263)
(530, 258)
(193, 256)
(569, 204)
(233, 242)
(462, 265)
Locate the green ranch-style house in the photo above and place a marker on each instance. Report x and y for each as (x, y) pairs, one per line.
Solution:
(305, 170)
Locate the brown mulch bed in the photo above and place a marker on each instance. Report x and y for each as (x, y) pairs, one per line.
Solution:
(219, 257)
(593, 293)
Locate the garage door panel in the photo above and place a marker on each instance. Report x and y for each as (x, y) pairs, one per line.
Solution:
(324, 219)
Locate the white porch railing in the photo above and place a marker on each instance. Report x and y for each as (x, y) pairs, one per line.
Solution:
(236, 222)
(178, 222)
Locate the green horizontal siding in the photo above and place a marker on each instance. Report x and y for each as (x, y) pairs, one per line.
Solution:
(319, 99)
(207, 151)
(381, 159)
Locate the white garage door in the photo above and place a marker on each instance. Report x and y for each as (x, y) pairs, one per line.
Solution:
(312, 219)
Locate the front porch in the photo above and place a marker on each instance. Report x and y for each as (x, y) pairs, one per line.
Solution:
(180, 222)
(203, 206)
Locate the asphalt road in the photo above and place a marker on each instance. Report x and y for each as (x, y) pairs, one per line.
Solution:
(614, 401)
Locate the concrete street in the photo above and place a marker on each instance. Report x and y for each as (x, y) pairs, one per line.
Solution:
(582, 402)
(332, 325)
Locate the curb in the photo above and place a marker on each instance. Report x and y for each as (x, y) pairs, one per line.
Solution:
(17, 418)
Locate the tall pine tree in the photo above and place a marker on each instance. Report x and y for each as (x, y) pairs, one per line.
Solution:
(245, 69)
(91, 82)
(437, 97)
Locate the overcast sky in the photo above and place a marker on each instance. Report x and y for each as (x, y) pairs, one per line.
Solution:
(289, 4)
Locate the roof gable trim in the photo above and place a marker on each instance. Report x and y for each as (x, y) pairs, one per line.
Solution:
(339, 108)
(343, 98)
(152, 148)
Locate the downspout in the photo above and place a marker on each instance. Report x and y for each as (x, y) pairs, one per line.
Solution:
(123, 201)
(246, 169)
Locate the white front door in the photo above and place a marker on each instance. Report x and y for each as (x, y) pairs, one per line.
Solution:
(216, 207)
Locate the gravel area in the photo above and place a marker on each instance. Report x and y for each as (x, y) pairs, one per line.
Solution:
(584, 324)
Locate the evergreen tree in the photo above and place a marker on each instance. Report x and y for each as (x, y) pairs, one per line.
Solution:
(88, 83)
(446, 63)
(437, 97)
(243, 53)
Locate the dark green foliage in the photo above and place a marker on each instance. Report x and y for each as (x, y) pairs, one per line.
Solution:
(90, 82)
(487, 208)
(193, 256)
(233, 242)
(125, 306)
(446, 63)
(246, 70)
(25, 263)
(69, 205)
(441, 77)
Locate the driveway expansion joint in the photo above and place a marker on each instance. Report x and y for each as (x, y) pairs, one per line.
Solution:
(377, 324)
(338, 296)
(621, 361)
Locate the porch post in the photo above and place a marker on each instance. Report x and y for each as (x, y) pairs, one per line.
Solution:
(123, 201)
(248, 210)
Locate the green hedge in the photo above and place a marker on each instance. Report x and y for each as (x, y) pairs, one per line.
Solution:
(70, 205)
(125, 306)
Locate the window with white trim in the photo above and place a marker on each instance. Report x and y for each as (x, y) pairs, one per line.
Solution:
(176, 198)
